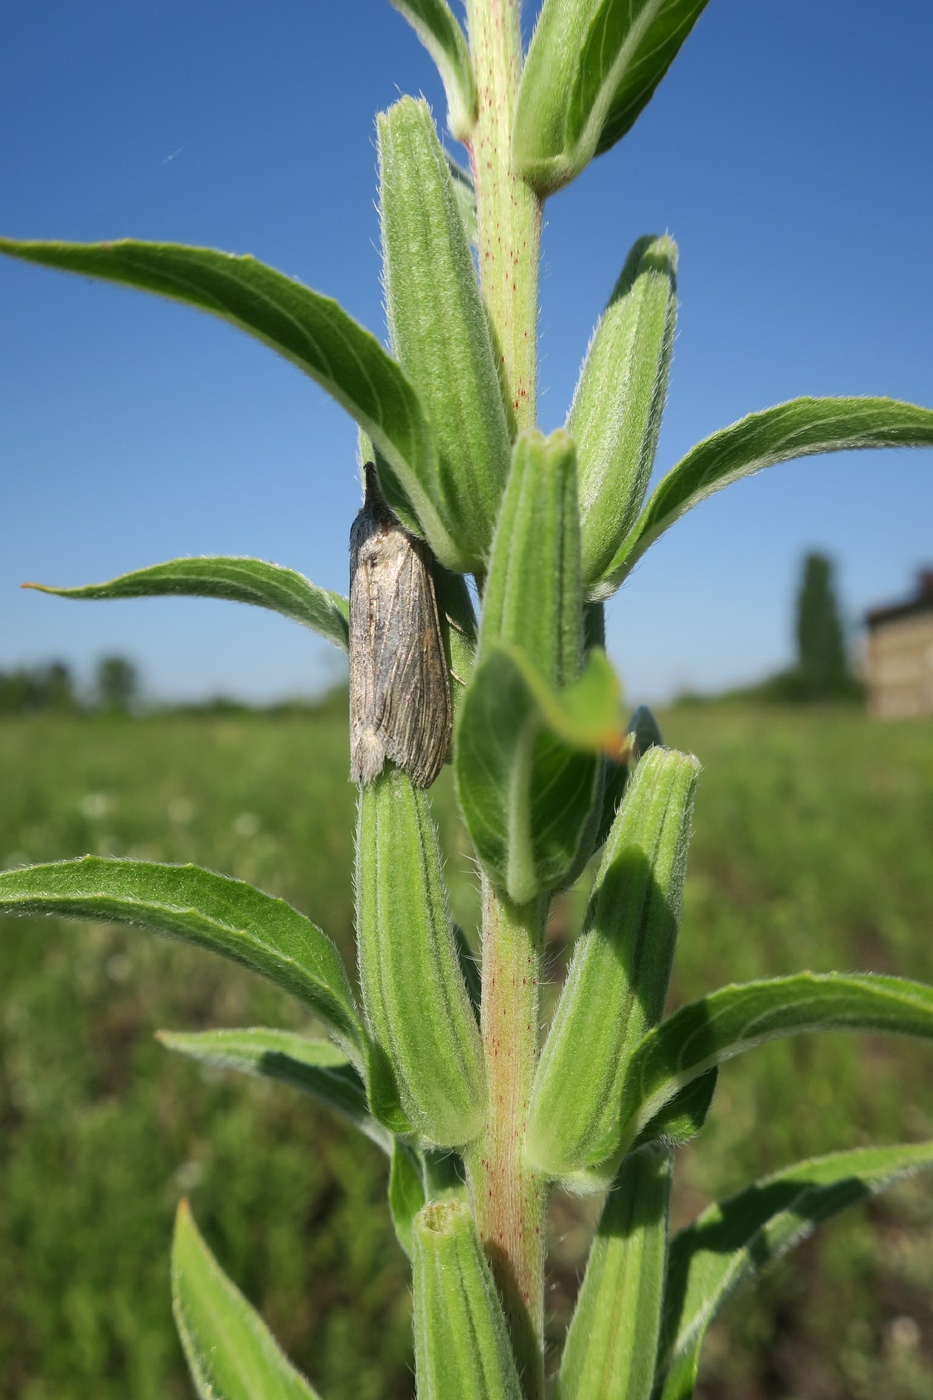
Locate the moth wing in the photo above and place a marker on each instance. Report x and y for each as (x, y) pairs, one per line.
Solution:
(412, 686)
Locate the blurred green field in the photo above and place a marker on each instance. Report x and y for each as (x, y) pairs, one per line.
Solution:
(813, 848)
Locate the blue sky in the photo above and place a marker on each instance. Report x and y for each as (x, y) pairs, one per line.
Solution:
(789, 151)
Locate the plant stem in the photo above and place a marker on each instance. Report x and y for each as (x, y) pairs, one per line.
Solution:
(509, 1200)
(509, 212)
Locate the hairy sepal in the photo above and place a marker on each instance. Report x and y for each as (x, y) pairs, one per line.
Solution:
(734, 1019)
(533, 595)
(528, 766)
(239, 580)
(800, 428)
(462, 1349)
(213, 911)
(592, 67)
(310, 330)
(230, 1351)
(438, 323)
(416, 1003)
(611, 1346)
(620, 972)
(436, 26)
(616, 413)
(737, 1238)
(316, 1067)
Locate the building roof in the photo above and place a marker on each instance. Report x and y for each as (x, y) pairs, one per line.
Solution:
(921, 602)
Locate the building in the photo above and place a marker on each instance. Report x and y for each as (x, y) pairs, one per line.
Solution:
(899, 659)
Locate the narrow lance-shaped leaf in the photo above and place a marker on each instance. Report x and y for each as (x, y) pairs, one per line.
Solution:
(458, 631)
(438, 323)
(735, 1019)
(736, 1238)
(239, 580)
(462, 1349)
(406, 1190)
(592, 67)
(616, 413)
(316, 1067)
(619, 976)
(230, 1351)
(436, 26)
(227, 916)
(312, 331)
(527, 764)
(612, 1344)
(416, 1003)
(800, 428)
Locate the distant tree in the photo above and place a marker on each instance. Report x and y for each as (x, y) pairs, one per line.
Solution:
(41, 688)
(117, 683)
(822, 671)
(822, 664)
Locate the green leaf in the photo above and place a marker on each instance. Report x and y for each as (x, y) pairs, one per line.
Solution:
(239, 580)
(736, 1238)
(416, 1003)
(737, 1018)
(406, 1191)
(462, 1349)
(312, 331)
(592, 67)
(618, 978)
(533, 595)
(316, 1067)
(683, 1117)
(470, 968)
(458, 631)
(628, 49)
(527, 765)
(436, 26)
(438, 323)
(616, 413)
(611, 1347)
(212, 911)
(230, 1351)
(800, 428)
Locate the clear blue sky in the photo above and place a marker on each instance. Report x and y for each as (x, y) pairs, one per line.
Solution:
(789, 151)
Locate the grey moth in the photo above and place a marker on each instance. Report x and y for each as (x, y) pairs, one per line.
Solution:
(399, 684)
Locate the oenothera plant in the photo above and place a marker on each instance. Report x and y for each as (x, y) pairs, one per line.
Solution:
(438, 1061)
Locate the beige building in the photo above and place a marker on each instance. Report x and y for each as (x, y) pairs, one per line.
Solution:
(899, 659)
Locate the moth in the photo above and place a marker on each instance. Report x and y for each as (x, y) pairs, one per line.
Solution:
(399, 684)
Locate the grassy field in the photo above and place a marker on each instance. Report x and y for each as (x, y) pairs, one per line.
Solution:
(813, 848)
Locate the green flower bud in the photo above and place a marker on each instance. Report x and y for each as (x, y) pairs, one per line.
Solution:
(619, 975)
(612, 1344)
(416, 1003)
(462, 1349)
(616, 413)
(533, 596)
(438, 324)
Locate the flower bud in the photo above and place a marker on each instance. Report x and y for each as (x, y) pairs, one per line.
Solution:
(619, 975)
(416, 1003)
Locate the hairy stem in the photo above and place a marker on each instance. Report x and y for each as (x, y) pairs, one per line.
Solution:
(509, 1200)
(509, 212)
